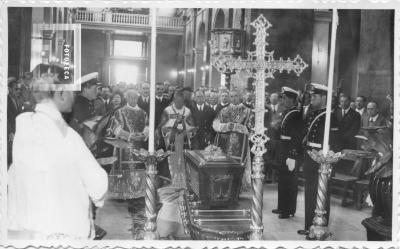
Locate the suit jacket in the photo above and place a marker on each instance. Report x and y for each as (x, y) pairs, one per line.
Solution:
(144, 105)
(349, 126)
(275, 120)
(203, 121)
(160, 106)
(13, 109)
(380, 121)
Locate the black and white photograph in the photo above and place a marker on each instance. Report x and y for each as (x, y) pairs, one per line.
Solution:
(137, 122)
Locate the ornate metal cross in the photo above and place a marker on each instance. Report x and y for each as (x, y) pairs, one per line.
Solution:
(259, 65)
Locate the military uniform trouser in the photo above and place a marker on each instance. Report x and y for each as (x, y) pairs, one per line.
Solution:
(310, 169)
(287, 192)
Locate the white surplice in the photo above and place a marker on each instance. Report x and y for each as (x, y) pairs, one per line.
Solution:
(52, 178)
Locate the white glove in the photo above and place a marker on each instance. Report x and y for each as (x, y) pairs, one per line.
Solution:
(291, 163)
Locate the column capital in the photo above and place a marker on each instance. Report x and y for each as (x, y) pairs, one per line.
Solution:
(322, 15)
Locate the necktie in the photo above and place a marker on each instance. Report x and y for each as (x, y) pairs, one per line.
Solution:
(343, 113)
(274, 109)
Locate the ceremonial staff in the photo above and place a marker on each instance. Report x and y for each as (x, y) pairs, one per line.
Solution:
(325, 158)
(150, 157)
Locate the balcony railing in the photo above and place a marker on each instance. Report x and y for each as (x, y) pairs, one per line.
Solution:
(127, 19)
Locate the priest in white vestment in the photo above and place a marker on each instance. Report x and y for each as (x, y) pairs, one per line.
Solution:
(53, 177)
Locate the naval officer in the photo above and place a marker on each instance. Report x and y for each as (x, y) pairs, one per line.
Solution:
(313, 140)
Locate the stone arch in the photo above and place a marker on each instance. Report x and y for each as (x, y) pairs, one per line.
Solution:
(220, 19)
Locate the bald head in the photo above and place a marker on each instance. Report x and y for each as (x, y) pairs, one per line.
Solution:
(131, 97)
(372, 109)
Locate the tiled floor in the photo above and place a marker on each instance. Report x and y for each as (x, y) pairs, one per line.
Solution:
(345, 223)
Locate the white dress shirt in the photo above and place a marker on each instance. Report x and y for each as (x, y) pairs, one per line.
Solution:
(52, 178)
(200, 107)
(360, 111)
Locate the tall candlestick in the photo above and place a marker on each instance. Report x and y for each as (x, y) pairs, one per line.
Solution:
(153, 16)
(325, 147)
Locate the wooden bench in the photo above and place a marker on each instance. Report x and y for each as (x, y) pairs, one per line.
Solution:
(348, 171)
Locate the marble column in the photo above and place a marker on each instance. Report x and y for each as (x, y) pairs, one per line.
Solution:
(320, 50)
(108, 53)
(198, 64)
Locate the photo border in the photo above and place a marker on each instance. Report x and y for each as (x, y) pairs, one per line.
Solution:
(284, 4)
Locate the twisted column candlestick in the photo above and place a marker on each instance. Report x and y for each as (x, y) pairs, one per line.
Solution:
(258, 150)
(150, 161)
(319, 230)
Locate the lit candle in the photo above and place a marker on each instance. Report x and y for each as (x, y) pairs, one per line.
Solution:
(153, 16)
(325, 147)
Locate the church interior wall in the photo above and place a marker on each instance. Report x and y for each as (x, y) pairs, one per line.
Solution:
(93, 51)
(291, 34)
(348, 42)
(168, 59)
(375, 63)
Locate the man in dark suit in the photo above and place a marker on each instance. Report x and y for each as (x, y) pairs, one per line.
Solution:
(213, 101)
(13, 109)
(361, 108)
(161, 102)
(144, 98)
(203, 117)
(374, 118)
(349, 124)
(276, 110)
(306, 107)
(224, 101)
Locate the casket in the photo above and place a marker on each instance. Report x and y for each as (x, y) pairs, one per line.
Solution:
(214, 224)
(214, 180)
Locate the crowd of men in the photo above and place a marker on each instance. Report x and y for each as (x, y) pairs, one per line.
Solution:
(196, 119)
